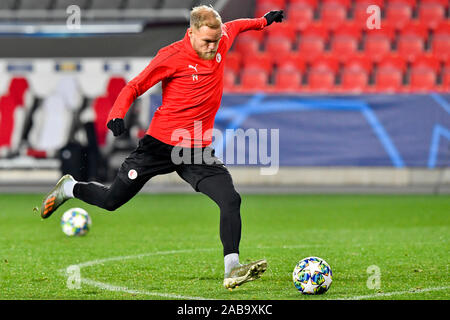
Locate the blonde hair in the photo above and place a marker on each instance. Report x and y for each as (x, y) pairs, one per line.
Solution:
(205, 16)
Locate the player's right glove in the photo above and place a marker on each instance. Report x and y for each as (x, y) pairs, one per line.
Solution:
(117, 126)
(272, 16)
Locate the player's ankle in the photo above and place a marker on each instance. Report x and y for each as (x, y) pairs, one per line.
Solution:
(231, 260)
(68, 187)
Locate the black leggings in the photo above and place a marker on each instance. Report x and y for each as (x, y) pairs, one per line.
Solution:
(219, 188)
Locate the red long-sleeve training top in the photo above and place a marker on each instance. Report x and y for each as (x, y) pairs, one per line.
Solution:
(191, 88)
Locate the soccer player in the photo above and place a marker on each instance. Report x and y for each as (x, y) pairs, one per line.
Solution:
(191, 71)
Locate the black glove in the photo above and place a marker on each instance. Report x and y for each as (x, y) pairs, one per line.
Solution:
(272, 16)
(117, 126)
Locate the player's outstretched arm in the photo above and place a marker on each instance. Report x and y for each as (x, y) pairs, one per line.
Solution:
(274, 16)
(233, 28)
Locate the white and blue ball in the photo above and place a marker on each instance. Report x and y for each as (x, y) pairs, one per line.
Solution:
(312, 275)
(75, 222)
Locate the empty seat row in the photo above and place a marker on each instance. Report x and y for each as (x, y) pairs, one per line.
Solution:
(40, 127)
(412, 41)
(357, 75)
(396, 13)
(421, 80)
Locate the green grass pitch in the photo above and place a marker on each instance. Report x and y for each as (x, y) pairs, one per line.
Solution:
(168, 247)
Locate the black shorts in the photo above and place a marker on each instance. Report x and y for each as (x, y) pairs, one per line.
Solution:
(153, 157)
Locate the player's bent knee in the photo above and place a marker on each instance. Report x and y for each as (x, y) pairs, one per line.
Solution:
(233, 201)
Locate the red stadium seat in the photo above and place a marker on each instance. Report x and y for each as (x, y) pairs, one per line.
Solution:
(354, 78)
(411, 3)
(322, 74)
(254, 79)
(311, 3)
(446, 78)
(292, 61)
(422, 78)
(326, 62)
(280, 3)
(321, 80)
(388, 79)
(378, 43)
(114, 87)
(102, 106)
(288, 80)
(17, 89)
(12, 115)
(251, 35)
(310, 47)
(350, 28)
(411, 41)
(332, 14)
(280, 38)
(431, 14)
(278, 47)
(233, 61)
(300, 15)
(261, 61)
(229, 80)
(246, 46)
(266, 6)
(415, 28)
(360, 61)
(316, 30)
(398, 14)
(282, 30)
(389, 74)
(440, 45)
(345, 3)
(312, 41)
(410, 46)
(346, 40)
(8, 106)
(393, 61)
(379, 3)
(443, 3)
(344, 46)
(427, 60)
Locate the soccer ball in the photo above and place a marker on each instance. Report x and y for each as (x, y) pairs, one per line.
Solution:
(75, 222)
(312, 275)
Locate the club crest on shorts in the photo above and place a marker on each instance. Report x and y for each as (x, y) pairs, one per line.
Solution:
(218, 57)
(132, 174)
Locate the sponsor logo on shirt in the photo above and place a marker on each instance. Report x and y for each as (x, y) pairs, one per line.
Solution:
(194, 76)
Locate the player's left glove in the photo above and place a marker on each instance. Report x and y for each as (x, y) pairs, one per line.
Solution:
(272, 16)
(117, 126)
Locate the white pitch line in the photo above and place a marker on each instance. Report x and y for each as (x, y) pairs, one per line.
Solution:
(109, 287)
(394, 293)
(137, 256)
